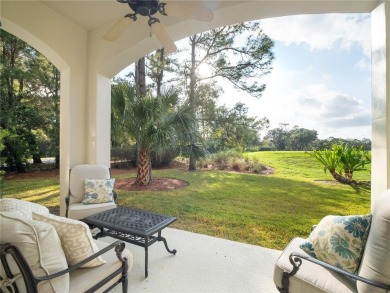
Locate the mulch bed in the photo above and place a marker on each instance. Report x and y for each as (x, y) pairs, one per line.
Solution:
(157, 184)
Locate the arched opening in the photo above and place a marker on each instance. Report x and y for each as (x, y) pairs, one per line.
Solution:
(30, 102)
(285, 182)
(89, 63)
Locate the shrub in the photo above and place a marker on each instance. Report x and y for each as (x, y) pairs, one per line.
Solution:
(238, 164)
(123, 157)
(224, 159)
(164, 159)
(255, 166)
(341, 161)
(3, 134)
(266, 149)
(126, 157)
(236, 161)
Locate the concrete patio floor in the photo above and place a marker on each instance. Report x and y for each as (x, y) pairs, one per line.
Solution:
(202, 264)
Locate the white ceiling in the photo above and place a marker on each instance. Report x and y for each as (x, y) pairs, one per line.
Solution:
(91, 14)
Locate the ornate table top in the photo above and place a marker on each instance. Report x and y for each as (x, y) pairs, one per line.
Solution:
(128, 220)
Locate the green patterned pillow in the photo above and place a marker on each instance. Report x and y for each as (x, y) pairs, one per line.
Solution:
(98, 191)
(339, 241)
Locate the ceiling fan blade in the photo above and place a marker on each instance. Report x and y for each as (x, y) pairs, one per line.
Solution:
(118, 29)
(189, 11)
(162, 35)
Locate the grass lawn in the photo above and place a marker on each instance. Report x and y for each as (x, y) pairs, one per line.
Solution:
(266, 210)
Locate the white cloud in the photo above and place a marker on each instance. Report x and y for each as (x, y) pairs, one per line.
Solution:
(324, 31)
(331, 113)
(362, 64)
(290, 98)
(306, 97)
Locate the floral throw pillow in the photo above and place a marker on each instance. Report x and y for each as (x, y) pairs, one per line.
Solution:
(339, 241)
(98, 191)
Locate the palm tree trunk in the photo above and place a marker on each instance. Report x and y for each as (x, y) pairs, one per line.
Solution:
(144, 168)
(341, 178)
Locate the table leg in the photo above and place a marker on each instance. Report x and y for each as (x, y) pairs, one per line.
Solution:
(160, 238)
(146, 256)
(98, 234)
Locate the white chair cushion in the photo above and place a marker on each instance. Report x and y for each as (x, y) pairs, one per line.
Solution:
(79, 211)
(310, 277)
(79, 173)
(82, 280)
(41, 247)
(23, 208)
(76, 239)
(375, 264)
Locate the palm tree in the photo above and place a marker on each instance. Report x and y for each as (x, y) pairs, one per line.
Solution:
(122, 94)
(342, 158)
(155, 124)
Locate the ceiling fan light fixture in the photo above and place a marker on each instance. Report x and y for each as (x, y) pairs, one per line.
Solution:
(144, 11)
(149, 8)
(143, 7)
(152, 20)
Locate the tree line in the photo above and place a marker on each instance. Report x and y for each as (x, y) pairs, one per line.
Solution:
(296, 138)
(183, 86)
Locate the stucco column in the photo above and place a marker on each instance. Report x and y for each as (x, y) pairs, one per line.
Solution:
(99, 120)
(380, 34)
(72, 127)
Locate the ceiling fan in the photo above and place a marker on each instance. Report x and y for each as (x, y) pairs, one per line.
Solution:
(150, 8)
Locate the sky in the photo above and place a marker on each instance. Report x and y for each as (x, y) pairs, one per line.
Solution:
(320, 78)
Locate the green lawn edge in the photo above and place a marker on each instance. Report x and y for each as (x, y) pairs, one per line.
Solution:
(265, 210)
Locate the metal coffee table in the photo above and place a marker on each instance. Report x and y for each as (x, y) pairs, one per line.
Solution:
(131, 225)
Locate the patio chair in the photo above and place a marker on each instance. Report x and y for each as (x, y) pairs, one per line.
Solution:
(90, 191)
(369, 272)
(44, 253)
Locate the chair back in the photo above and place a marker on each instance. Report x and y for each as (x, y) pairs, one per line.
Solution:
(375, 264)
(77, 176)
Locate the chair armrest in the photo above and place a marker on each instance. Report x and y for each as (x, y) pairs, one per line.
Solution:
(67, 202)
(115, 196)
(296, 260)
(119, 247)
(32, 281)
(114, 192)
